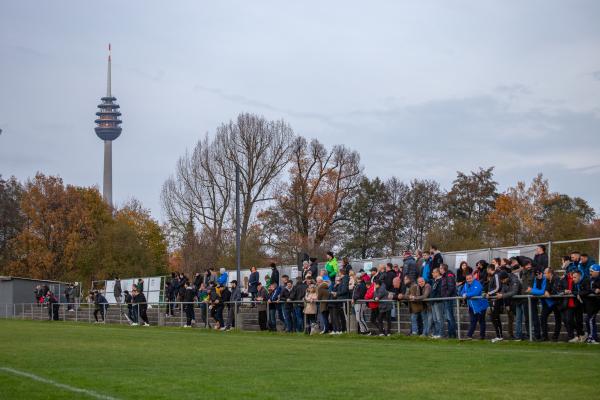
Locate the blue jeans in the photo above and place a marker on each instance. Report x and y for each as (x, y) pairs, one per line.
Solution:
(414, 323)
(437, 313)
(520, 318)
(299, 318)
(272, 317)
(427, 320)
(449, 316)
(287, 319)
(474, 320)
(591, 327)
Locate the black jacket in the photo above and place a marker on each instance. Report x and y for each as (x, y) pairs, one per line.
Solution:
(286, 294)
(359, 291)
(448, 285)
(437, 261)
(540, 260)
(461, 277)
(314, 269)
(388, 279)
(275, 276)
(588, 287)
(343, 290)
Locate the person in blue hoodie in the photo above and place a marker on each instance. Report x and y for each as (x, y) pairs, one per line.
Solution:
(548, 286)
(477, 307)
(223, 277)
(273, 304)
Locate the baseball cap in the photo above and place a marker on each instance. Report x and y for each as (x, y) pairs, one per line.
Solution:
(595, 268)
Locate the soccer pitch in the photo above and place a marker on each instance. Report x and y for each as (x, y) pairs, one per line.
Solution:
(44, 360)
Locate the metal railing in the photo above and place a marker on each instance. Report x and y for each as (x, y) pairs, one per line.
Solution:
(163, 313)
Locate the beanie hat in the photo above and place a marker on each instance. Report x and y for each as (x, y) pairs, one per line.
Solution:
(595, 268)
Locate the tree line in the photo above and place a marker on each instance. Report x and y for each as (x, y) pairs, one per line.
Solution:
(300, 197)
(49, 230)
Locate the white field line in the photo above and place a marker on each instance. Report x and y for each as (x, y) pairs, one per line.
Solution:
(73, 389)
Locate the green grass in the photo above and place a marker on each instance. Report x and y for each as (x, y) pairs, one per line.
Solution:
(170, 363)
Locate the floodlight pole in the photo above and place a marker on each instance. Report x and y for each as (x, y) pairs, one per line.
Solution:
(237, 222)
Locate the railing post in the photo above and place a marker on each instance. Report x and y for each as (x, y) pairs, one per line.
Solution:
(269, 316)
(529, 319)
(458, 318)
(550, 254)
(181, 313)
(206, 325)
(306, 328)
(398, 315)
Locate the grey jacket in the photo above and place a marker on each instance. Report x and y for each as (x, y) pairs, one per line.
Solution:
(382, 294)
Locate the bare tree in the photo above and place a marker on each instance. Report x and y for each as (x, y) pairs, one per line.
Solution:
(308, 207)
(261, 149)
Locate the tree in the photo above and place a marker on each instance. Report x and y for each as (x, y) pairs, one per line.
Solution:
(307, 209)
(59, 221)
(366, 220)
(395, 215)
(11, 217)
(422, 212)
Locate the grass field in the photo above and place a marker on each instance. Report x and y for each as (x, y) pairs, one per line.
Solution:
(120, 362)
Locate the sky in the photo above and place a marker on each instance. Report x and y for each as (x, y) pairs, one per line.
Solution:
(422, 89)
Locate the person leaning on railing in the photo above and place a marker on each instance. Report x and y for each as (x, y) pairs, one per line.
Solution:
(261, 298)
(590, 289)
(477, 306)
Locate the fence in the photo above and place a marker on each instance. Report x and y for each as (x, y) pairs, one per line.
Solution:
(242, 313)
(154, 287)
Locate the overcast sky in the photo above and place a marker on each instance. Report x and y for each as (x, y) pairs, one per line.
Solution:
(421, 89)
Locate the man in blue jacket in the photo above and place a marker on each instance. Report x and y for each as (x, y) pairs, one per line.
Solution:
(477, 307)
(549, 286)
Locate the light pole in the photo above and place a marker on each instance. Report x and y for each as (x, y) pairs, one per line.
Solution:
(237, 223)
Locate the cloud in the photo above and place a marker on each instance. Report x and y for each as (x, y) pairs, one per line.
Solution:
(596, 75)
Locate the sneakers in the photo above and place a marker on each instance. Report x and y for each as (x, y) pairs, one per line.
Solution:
(187, 326)
(591, 341)
(134, 324)
(497, 339)
(436, 337)
(574, 340)
(146, 324)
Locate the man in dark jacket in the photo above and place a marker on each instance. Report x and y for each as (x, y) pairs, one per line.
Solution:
(140, 306)
(494, 287)
(511, 286)
(409, 267)
(385, 308)
(261, 297)
(274, 274)
(436, 257)
(314, 267)
(129, 316)
(53, 305)
(233, 307)
(449, 290)
(528, 277)
(573, 307)
(540, 260)
(253, 281)
(297, 295)
(189, 297)
(589, 292)
(287, 306)
(389, 276)
(117, 291)
(101, 305)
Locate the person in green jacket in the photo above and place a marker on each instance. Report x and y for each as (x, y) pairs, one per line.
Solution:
(331, 266)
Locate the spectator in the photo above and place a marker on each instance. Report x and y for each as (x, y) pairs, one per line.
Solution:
(224, 302)
(385, 308)
(274, 274)
(189, 298)
(261, 297)
(128, 301)
(409, 268)
(437, 307)
(497, 303)
(346, 266)
(314, 267)
(322, 296)
(305, 269)
(388, 277)
(77, 294)
(310, 309)
(418, 293)
(477, 307)
(511, 286)
(586, 262)
(223, 279)
(216, 306)
(273, 303)
(140, 285)
(335, 307)
(69, 297)
(528, 276)
(140, 306)
(372, 305)
(53, 305)
(100, 306)
(590, 289)
(573, 314)
(426, 267)
(209, 277)
(540, 260)
(480, 273)
(203, 299)
(297, 295)
(436, 257)
(449, 290)
(331, 266)
(117, 291)
(288, 306)
(549, 287)
(253, 282)
(360, 290)
(462, 272)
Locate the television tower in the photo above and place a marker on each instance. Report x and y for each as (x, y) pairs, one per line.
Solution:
(108, 129)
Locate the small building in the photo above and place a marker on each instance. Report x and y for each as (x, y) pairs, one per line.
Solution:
(15, 291)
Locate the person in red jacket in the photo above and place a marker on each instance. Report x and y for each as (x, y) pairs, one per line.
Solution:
(373, 306)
